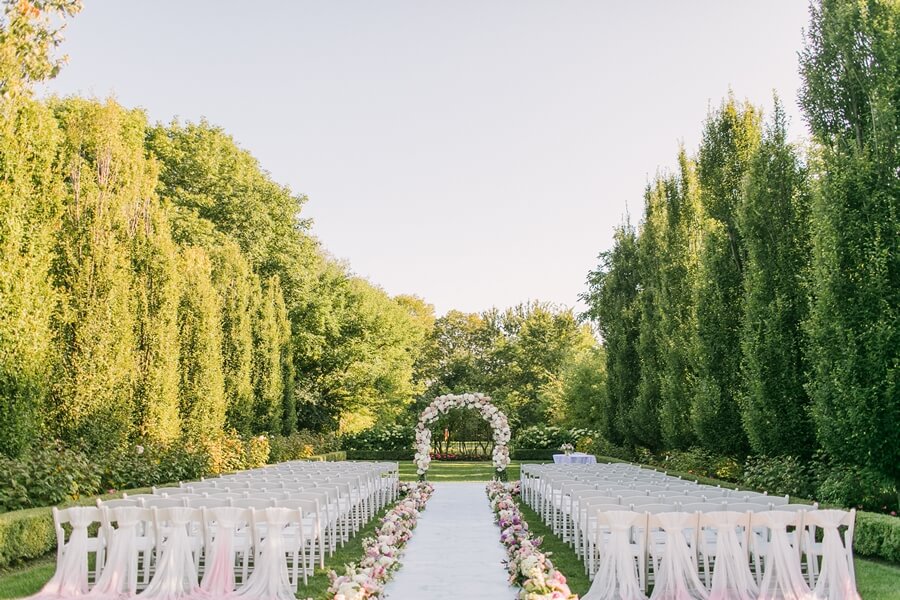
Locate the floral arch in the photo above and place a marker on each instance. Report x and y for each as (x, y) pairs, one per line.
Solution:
(490, 413)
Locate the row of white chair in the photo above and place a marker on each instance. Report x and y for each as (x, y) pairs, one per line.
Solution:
(585, 504)
(204, 534)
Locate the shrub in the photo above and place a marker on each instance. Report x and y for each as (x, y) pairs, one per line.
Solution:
(600, 446)
(386, 437)
(301, 444)
(698, 461)
(25, 534)
(256, 452)
(781, 475)
(46, 475)
(857, 486)
(134, 467)
(535, 454)
(550, 436)
(877, 536)
(380, 454)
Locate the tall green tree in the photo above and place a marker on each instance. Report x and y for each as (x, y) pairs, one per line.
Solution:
(157, 295)
(678, 316)
(108, 178)
(851, 99)
(203, 401)
(774, 226)
(644, 418)
(613, 305)
(288, 371)
(268, 377)
(731, 136)
(31, 194)
(235, 281)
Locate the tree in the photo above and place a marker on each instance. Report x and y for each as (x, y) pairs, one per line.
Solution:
(774, 226)
(31, 195)
(644, 418)
(730, 137)
(108, 179)
(203, 402)
(27, 42)
(236, 283)
(613, 305)
(851, 99)
(678, 316)
(268, 377)
(157, 294)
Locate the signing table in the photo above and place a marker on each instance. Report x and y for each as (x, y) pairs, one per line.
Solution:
(575, 458)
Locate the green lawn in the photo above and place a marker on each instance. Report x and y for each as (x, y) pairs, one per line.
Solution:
(876, 581)
(456, 471)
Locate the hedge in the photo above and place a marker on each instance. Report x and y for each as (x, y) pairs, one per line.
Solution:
(877, 536)
(532, 453)
(25, 534)
(329, 456)
(380, 454)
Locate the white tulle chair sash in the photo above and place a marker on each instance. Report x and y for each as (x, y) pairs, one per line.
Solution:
(677, 576)
(617, 578)
(176, 576)
(836, 581)
(782, 577)
(270, 579)
(119, 577)
(732, 578)
(71, 577)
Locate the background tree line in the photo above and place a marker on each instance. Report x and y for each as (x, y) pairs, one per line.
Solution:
(754, 310)
(156, 285)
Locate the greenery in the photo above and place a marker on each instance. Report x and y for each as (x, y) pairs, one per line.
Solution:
(549, 437)
(752, 315)
(383, 438)
(300, 444)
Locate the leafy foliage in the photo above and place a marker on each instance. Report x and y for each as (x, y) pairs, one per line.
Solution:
(851, 98)
(774, 223)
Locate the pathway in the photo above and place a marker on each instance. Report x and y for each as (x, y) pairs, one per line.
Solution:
(455, 551)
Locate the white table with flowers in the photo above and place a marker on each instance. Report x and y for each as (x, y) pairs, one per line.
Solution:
(577, 458)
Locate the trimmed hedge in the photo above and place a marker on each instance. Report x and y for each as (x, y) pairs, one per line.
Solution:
(329, 456)
(532, 453)
(380, 454)
(877, 536)
(25, 534)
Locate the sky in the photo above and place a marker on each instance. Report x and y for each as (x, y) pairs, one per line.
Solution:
(476, 153)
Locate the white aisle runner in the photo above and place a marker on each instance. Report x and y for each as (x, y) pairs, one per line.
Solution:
(455, 550)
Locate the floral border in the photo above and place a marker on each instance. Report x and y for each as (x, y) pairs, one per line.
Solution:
(381, 554)
(490, 413)
(528, 567)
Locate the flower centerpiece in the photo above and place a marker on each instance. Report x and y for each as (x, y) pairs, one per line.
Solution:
(567, 448)
(490, 413)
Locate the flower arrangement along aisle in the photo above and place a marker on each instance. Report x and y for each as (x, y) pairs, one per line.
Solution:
(528, 567)
(490, 413)
(381, 554)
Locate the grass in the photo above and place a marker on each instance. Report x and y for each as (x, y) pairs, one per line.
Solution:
(456, 471)
(876, 580)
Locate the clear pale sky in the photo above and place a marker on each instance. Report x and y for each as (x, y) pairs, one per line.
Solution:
(476, 153)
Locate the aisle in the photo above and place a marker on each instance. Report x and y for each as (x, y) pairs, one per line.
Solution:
(455, 551)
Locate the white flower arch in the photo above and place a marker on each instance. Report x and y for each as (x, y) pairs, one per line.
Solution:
(490, 413)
